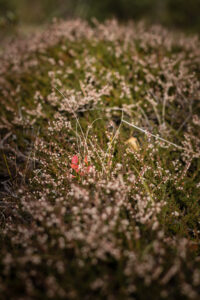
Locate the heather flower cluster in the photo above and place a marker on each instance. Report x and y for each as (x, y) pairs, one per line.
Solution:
(100, 156)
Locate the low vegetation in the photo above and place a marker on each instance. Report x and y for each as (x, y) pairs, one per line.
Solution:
(100, 164)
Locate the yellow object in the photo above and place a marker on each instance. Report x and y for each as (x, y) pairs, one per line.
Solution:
(133, 143)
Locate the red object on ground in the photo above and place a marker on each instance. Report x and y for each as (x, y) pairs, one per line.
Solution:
(75, 166)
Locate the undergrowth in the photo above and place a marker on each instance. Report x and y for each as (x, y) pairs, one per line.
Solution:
(91, 206)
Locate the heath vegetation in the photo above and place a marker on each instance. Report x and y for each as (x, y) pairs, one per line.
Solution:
(100, 164)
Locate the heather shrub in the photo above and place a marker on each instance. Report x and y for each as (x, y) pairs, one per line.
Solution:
(100, 156)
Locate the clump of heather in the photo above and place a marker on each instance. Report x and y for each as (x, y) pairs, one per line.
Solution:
(100, 164)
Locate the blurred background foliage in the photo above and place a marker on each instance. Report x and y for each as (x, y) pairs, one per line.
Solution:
(181, 14)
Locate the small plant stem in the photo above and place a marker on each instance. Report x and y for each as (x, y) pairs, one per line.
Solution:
(5, 160)
(151, 134)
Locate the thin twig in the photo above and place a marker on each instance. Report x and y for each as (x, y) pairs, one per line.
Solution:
(156, 136)
(5, 138)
